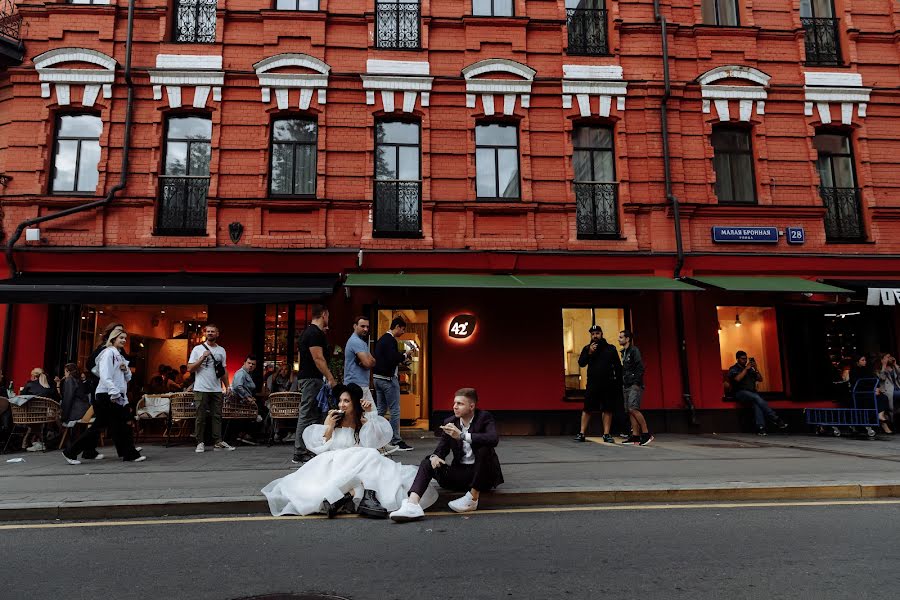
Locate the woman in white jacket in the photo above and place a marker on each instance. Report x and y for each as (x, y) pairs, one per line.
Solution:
(110, 404)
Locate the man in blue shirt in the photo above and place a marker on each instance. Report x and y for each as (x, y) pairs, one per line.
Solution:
(358, 361)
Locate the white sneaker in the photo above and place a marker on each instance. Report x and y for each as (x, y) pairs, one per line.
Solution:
(35, 447)
(140, 459)
(223, 446)
(201, 447)
(72, 461)
(388, 449)
(138, 448)
(464, 504)
(98, 457)
(407, 512)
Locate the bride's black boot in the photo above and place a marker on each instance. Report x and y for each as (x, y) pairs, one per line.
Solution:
(370, 507)
(332, 509)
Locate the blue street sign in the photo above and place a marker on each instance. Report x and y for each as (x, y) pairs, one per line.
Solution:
(795, 235)
(745, 235)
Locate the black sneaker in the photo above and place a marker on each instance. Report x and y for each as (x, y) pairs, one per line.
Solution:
(780, 424)
(633, 439)
(302, 458)
(761, 431)
(609, 439)
(332, 509)
(646, 439)
(579, 437)
(403, 446)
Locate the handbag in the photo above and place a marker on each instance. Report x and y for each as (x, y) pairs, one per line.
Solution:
(219, 367)
(324, 399)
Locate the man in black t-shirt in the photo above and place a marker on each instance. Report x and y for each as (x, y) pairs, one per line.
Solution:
(313, 367)
(603, 392)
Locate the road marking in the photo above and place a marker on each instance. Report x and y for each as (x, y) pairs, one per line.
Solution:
(499, 511)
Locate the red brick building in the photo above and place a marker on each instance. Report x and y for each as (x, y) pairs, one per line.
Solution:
(713, 174)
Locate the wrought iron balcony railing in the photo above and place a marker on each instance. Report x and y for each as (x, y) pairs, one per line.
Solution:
(587, 31)
(397, 25)
(597, 209)
(822, 42)
(843, 215)
(397, 210)
(10, 21)
(182, 205)
(195, 21)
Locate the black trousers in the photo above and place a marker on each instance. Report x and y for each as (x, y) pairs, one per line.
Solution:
(457, 477)
(114, 417)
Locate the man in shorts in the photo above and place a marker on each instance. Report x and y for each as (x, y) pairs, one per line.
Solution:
(604, 382)
(633, 388)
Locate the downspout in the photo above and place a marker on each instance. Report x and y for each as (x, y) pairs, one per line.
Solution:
(672, 200)
(123, 175)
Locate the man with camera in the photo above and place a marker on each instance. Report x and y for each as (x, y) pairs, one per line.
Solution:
(743, 377)
(207, 363)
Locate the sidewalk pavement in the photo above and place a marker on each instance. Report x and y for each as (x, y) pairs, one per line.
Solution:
(538, 471)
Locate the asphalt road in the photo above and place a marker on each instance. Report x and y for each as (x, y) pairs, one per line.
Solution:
(716, 552)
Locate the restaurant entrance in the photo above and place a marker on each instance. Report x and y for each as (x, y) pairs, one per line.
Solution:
(414, 375)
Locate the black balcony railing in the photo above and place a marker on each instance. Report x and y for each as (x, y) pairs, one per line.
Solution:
(587, 31)
(397, 211)
(195, 21)
(597, 209)
(12, 50)
(397, 25)
(843, 216)
(822, 42)
(182, 205)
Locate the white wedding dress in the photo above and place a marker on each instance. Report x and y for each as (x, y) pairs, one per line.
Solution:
(342, 466)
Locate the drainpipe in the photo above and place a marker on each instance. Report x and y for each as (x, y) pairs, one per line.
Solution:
(672, 200)
(10, 260)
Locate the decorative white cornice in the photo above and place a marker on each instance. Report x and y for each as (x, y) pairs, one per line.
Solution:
(174, 71)
(392, 76)
(509, 88)
(746, 96)
(582, 82)
(62, 79)
(283, 83)
(846, 89)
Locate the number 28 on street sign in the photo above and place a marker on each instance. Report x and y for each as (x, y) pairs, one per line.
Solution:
(462, 326)
(795, 235)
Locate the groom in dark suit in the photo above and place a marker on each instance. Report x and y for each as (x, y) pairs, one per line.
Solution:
(472, 436)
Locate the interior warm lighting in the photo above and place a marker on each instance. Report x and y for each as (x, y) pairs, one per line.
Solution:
(737, 319)
(162, 312)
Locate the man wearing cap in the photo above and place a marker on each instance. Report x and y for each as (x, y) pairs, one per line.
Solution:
(604, 382)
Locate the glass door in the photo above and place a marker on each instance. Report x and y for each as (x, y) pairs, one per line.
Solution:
(413, 375)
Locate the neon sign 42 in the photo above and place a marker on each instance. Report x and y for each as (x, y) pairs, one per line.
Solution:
(462, 326)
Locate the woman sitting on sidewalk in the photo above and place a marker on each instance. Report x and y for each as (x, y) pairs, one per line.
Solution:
(348, 471)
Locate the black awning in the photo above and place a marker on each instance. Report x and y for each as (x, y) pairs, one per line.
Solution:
(164, 288)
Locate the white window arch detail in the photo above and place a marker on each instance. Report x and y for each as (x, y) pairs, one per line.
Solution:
(175, 71)
(392, 76)
(508, 88)
(582, 82)
(726, 97)
(93, 80)
(283, 83)
(824, 89)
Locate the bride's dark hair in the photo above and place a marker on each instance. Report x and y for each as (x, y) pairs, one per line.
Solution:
(356, 395)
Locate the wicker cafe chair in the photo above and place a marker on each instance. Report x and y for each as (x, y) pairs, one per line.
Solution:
(233, 409)
(37, 411)
(282, 406)
(159, 403)
(181, 410)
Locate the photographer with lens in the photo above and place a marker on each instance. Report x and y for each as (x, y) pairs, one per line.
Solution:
(743, 376)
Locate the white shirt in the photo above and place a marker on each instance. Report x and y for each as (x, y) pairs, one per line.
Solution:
(113, 380)
(468, 457)
(205, 379)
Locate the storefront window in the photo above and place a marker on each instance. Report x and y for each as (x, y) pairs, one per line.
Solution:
(275, 350)
(576, 322)
(753, 329)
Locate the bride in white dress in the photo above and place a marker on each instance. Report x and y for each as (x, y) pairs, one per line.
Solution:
(347, 464)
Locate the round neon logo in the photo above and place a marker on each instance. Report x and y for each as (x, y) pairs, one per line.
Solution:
(462, 326)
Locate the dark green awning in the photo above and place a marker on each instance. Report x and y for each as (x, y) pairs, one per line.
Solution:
(734, 283)
(520, 282)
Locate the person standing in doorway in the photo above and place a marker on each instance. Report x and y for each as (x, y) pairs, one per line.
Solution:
(207, 363)
(388, 359)
(358, 361)
(743, 376)
(604, 382)
(314, 373)
(633, 388)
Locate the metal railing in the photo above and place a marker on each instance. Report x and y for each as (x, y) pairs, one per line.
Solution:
(195, 21)
(397, 25)
(587, 31)
(10, 21)
(843, 216)
(397, 210)
(182, 205)
(822, 42)
(597, 209)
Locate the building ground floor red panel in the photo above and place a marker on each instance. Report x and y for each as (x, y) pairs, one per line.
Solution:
(519, 349)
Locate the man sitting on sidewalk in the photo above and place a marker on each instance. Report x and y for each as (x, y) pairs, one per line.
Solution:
(472, 436)
(744, 376)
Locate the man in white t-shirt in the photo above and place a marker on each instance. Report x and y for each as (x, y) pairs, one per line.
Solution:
(208, 386)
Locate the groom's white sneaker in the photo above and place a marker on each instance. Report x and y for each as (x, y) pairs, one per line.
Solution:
(407, 512)
(465, 504)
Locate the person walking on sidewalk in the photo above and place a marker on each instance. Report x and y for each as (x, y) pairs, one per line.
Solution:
(207, 363)
(743, 376)
(110, 405)
(314, 374)
(633, 388)
(358, 361)
(388, 358)
(604, 382)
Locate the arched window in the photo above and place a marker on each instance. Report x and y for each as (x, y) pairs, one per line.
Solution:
(733, 164)
(77, 154)
(293, 162)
